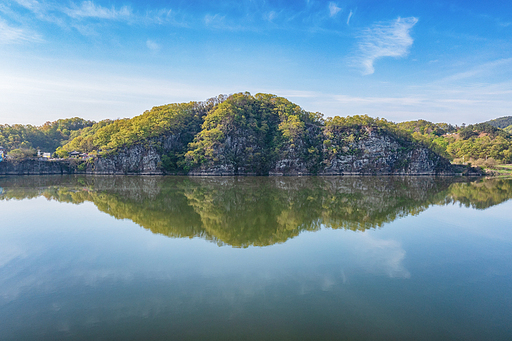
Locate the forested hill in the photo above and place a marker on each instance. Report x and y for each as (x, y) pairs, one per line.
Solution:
(502, 122)
(262, 134)
(47, 137)
(246, 134)
(481, 144)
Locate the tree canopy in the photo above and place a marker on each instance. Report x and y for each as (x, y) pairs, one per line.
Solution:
(251, 132)
(47, 137)
(501, 122)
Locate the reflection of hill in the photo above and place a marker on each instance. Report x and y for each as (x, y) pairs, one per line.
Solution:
(482, 194)
(258, 211)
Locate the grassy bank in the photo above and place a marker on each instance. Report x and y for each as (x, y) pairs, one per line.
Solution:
(500, 170)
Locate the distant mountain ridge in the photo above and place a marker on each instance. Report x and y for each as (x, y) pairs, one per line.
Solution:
(501, 122)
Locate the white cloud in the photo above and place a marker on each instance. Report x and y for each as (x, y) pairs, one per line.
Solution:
(379, 255)
(89, 10)
(14, 35)
(153, 46)
(333, 9)
(29, 4)
(349, 16)
(270, 16)
(385, 39)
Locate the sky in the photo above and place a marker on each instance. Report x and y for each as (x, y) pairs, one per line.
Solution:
(443, 61)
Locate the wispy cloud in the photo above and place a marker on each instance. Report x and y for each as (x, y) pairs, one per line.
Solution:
(213, 20)
(247, 16)
(479, 70)
(333, 9)
(270, 16)
(349, 16)
(384, 39)
(153, 46)
(29, 4)
(89, 10)
(14, 35)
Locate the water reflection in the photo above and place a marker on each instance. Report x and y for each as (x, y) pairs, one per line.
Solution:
(259, 211)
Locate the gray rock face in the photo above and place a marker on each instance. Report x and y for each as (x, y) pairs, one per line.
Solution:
(36, 167)
(374, 154)
(139, 159)
(382, 154)
(136, 159)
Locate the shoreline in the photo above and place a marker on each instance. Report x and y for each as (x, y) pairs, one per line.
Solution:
(36, 167)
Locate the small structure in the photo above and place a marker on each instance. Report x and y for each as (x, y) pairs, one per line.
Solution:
(74, 154)
(43, 155)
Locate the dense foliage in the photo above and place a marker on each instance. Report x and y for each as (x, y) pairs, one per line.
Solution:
(47, 137)
(250, 132)
(430, 134)
(501, 122)
(182, 121)
(476, 143)
(340, 132)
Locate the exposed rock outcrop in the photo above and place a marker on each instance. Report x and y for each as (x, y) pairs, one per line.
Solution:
(137, 159)
(384, 154)
(377, 154)
(38, 167)
(374, 152)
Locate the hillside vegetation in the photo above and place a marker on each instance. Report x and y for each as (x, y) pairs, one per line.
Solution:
(181, 120)
(501, 122)
(252, 132)
(48, 137)
(481, 144)
(248, 134)
(242, 133)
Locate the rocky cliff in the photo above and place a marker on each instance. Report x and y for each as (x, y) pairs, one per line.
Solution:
(379, 152)
(376, 153)
(137, 160)
(372, 152)
(39, 167)
(148, 158)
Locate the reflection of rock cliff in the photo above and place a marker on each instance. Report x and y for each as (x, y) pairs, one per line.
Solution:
(258, 211)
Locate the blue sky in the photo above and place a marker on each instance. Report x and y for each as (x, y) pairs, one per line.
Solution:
(446, 61)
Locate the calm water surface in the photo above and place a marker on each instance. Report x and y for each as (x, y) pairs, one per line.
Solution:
(255, 258)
